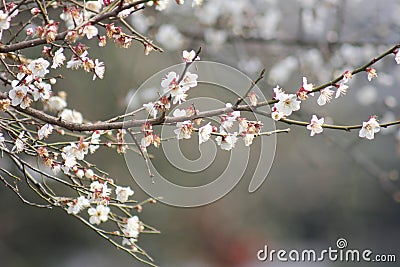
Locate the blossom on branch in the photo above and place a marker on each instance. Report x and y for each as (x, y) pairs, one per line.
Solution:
(45, 131)
(98, 214)
(369, 128)
(325, 96)
(315, 125)
(78, 204)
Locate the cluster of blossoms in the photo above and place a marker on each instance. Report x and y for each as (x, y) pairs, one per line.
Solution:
(97, 204)
(175, 91)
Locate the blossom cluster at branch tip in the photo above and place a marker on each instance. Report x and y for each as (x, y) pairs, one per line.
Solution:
(287, 103)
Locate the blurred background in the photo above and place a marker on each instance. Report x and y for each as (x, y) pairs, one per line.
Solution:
(334, 185)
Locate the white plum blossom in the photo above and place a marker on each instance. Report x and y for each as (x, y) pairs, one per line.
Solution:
(42, 91)
(397, 56)
(98, 214)
(170, 85)
(39, 67)
(276, 115)
(248, 139)
(76, 151)
(307, 86)
(372, 74)
(253, 98)
(56, 103)
(5, 20)
(94, 142)
(226, 142)
(161, 4)
(189, 81)
(347, 75)
(132, 227)
(58, 58)
(94, 5)
(76, 62)
(315, 125)
(169, 36)
(369, 128)
(90, 31)
(19, 144)
(2, 144)
(278, 91)
(45, 131)
(78, 204)
(189, 56)
(99, 69)
(325, 96)
(151, 109)
(341, 90)
(287, 104)
(99, 191)
(123, 193)
(179, 112)
(69, 159)
(17, 95)
(184, 130)
(71, 116)
(205, 133)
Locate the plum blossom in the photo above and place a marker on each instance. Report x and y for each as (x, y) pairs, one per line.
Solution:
(94, 142)
(76, 62)
(305, 90)
(184, 130)
(17, 95)
(71, 116)
(325, 96)
(205, 132)
(315, 125)
(170, 85)
(227, 141)
(287, 104)
(189, 56)
(56, 103)
(78, 204)
(58, 58)
(397, 56)
(98, 214)
(99, 191)
(90, 31)
(132, 228)
(253, 98)
(2, 144)
(4, 20)
(99, 69)
(372, 74)
(19, 143)
(341, 89)
(248, 139)
(369, 128)
(169, 36)
(347, 75)
(151, 108)
(38, 67)
(123, 193)
(69, 159)
(189, 81)
(45, 131)
(41, 90)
